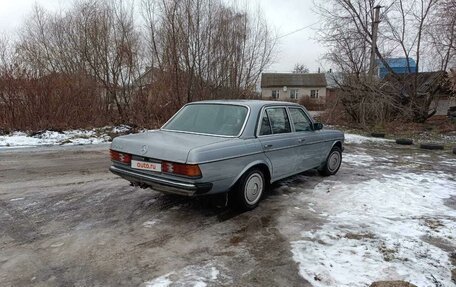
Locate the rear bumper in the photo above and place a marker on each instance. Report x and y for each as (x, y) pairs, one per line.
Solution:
(161, 184)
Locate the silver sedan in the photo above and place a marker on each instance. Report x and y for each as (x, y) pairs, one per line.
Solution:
(238, 147)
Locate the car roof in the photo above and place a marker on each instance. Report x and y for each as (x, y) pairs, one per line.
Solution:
(249, 103)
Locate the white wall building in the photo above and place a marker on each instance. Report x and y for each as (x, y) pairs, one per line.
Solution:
(293, 87)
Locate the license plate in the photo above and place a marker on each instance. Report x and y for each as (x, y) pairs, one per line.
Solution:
(144, 165)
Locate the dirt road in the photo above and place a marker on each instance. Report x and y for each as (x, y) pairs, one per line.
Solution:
(66, 221)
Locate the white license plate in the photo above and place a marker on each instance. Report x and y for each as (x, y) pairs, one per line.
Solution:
(144, 165)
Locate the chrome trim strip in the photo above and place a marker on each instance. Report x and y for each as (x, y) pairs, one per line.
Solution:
(200, 134)
(290, 120)
(187, 186)
(260, 152)
(227, 158)
(247, 116)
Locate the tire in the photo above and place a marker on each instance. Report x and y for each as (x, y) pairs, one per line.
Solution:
(404, 141)
(378, 135)
(248, 191)
(332, 163)
(432, 146)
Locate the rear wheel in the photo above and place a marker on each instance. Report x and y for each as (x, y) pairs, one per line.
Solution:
(247, 192)
(333, 162)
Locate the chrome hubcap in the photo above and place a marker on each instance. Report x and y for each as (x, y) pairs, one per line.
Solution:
(334, 161)
(253, 188)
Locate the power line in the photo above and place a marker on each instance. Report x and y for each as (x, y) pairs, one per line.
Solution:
(296, 31)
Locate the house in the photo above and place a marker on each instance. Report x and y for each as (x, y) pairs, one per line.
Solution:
(291, 86)
(398, 65)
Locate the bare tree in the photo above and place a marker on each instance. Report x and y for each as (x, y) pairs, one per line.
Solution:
(300, 69)
(441, 36)
(95, 57)
(208, 49)
(94, 38)
(347, 31)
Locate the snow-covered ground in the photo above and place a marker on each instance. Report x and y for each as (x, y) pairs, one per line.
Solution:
(389, 214)
(70, 137)
(375, 231)
(390, 221)
(102, 135)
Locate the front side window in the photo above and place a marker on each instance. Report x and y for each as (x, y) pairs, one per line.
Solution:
(300, 120)
(275, 121)
(213, 119)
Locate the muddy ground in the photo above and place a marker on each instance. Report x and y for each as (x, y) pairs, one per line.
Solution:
(66, 221)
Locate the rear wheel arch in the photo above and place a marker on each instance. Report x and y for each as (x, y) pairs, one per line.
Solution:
(338, 144)
(248, 190)
(258, 164)
(265, 169)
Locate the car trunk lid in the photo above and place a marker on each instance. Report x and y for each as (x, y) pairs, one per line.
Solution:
(163, 145)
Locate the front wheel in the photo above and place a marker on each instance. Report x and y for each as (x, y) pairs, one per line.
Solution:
(247, 193)
(333, 162)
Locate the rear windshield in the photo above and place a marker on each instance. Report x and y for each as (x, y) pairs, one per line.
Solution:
(214, 119)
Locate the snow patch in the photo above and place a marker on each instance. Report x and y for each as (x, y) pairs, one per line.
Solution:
(70, 137)
(193, 275)
(357, 159)
(121, 129)
(55, 245)
(375, 230)
(358, 139)
(150, 223)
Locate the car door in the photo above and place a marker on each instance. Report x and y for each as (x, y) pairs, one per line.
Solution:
(309, 152)
(278, 141)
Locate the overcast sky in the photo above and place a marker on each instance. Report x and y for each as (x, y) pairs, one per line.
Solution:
(284, 16)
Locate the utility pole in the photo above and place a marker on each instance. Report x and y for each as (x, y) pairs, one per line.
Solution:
(373, 64)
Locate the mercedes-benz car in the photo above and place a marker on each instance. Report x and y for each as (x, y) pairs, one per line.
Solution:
(233, 146)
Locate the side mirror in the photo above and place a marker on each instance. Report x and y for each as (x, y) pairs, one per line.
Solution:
(317, 126)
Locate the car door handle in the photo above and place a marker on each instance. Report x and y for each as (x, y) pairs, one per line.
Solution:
(267, 145)
(301, 140)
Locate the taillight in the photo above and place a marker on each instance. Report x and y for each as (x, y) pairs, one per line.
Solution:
(120, 156)
(191, 170)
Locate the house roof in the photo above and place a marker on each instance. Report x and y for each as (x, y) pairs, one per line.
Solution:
(293, 80)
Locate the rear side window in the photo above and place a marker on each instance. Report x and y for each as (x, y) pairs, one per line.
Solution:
(275, 121)
(300, 120)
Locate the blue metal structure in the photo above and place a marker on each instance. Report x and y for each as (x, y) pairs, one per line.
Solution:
(398, 65)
